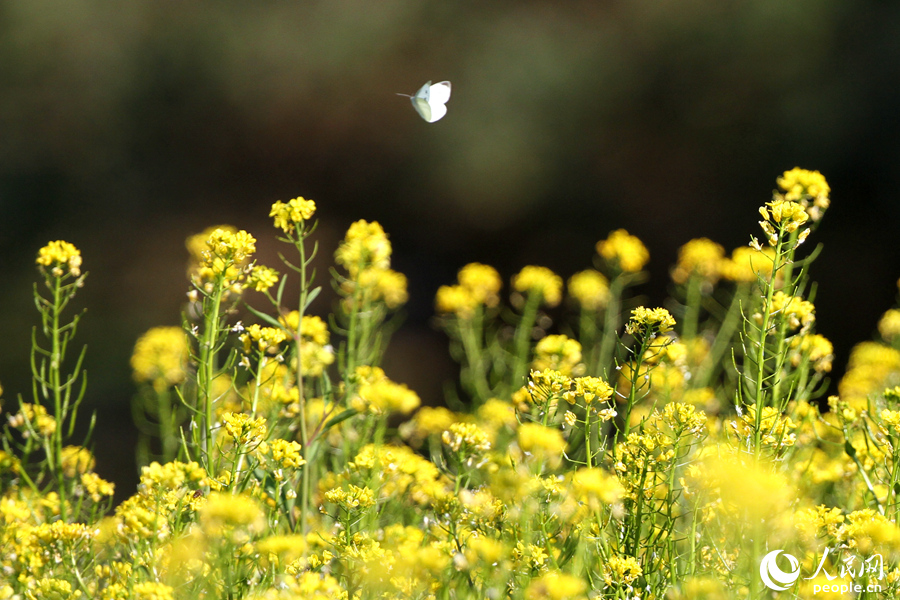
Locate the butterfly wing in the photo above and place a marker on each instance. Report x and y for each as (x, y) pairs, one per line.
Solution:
(439, 93)
(430, 99)
(422, 107)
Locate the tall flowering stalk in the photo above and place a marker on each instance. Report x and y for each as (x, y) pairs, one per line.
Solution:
(53, 387)
(371, 290)
(624, 255)
(218, 282)
(781, 314)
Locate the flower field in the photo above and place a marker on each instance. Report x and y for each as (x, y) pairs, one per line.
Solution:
(611, 451)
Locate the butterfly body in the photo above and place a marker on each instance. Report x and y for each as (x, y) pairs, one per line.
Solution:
(431, 99)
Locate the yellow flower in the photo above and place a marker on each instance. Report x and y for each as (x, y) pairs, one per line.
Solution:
(539, 280)
(262, 278)
(544, 443)
(797, 311)
(782, 215)
(196, 244)
(150, 590)
(76, 460)
(590, 289)
(97, 487)
(702, 257)
(384, 396)
(559, 353)
(377, 284)
(800, 185)
(624, 251)
(286, 548)
(289, 215)
(593, 390)
(816, 348)
(621, 570)
(353, 498)
(62, 257)
(466, 437)
(592, 485)
(225, 254)
(556, 586)
(699, 588)
(52, 589)
(160, 357)
(285, 453)
(889, 325)
(649, 321)
(482, 282)
(33, 416)
(365, 246)
(747, 264)
(223, 512)
(243, 429)
(267, 339)
(455, 299)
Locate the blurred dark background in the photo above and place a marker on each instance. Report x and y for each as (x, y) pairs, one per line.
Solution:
(125, 128)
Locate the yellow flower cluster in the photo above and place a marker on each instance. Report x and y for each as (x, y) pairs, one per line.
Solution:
(540, 281)
(558, 353)
(365, 246)
(262, 278)
(353, 498)
(808, 188)
(590, 289)
(243, 429)
(748, 264)
(160, 357)
(543, 443)
(815, 348)
(775, 429)
(870, 369)
(266, 339)
(76, 460)
(701, 257)
(646, 322)
(385, 285)
(379, 395)
(224, 513)
(286, 454)
(33, 417)
(783, 215)
(621, 570)
(593, 390)
(623, 251)
(595, 485)
(315, 351)
(794, 309)
(96, 487)
(287, 215)
(62, 258)
(479, 285)
(889, 325)
(467, 438)
(225, 254)
(554, 585)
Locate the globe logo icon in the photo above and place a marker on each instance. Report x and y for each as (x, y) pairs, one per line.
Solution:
(774, 577)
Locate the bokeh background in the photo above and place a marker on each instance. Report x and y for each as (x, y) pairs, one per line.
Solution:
(125, 127)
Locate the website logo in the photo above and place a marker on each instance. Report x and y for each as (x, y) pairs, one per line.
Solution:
(773, 576)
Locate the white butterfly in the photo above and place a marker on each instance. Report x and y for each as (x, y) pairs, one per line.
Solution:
(429, 101)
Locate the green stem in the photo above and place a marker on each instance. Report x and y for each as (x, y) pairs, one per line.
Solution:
(610, 325)
(692, 307)
(56, 358)
(523, 339)
(206, 372)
